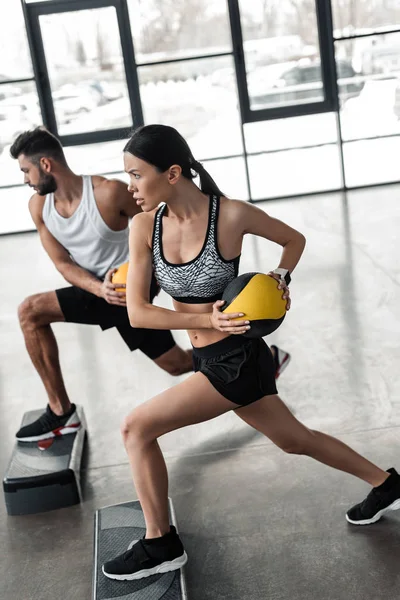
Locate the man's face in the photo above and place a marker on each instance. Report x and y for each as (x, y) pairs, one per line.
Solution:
(36, 177)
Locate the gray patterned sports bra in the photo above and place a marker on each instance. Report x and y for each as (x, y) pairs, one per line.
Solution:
(202, 279)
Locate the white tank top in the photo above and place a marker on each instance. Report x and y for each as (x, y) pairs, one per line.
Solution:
(89, 241)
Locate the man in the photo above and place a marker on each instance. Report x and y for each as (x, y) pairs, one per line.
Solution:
(83, 226)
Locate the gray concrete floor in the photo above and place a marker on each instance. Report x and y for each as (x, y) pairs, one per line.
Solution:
(257, 523)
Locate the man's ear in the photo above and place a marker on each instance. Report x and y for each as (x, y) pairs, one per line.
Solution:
(45, 164)
(174, 174)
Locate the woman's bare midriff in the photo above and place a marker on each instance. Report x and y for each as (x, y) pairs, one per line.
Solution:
(200, 337)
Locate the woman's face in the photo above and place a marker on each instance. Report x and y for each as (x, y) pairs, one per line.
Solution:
(148, 186)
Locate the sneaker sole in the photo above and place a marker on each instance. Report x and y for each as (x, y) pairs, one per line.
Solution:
(165, 567)
(52, 434)
(394, 506)
(283, 365)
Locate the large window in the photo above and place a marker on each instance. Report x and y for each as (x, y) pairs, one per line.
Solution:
(282, 55)
(15, 61)
(86, 70)
(282, 58)
(84, 62)
(19, 110)
(186, 72)
(293, 156)
(372, 108)
(199, 98)
(355, 17)
(278, 98)
(178, 29)
(370, 111)
(19, 106)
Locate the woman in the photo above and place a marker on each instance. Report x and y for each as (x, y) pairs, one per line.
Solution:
(193, 243)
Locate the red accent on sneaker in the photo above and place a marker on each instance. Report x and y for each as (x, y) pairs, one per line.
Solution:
(45, 444)
(57, 431)
(281, 366)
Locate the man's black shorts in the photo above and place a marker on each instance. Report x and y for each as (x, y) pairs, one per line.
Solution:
(80, 306)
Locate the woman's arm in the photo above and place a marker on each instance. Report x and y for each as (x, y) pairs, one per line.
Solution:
(254, 220)
(141, 312)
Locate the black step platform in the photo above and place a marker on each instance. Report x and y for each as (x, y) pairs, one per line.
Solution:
(114, 529)
(38, 480)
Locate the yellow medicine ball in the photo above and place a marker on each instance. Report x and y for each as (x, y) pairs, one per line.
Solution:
(120, 276)
(257, 296)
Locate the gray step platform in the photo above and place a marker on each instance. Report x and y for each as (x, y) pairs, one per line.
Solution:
(39, 480)
(114, 529)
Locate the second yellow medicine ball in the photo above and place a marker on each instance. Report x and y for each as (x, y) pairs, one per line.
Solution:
(120, 276)
(257, 296)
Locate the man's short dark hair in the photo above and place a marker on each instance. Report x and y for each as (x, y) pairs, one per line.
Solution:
(36, 144)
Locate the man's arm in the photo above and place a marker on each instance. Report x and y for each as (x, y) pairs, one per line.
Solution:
(59, 255)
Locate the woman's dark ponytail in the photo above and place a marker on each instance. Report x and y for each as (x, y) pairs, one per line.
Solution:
(163, 146)
(207, 183)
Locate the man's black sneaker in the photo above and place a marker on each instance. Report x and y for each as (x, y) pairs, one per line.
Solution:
(383, 498)
(50, 425)
(148, 557)
(281, 360)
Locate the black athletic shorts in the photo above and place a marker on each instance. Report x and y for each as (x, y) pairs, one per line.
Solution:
(241, 369)
(80, 306)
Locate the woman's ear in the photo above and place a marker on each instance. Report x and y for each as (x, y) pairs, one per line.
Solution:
(174, 173)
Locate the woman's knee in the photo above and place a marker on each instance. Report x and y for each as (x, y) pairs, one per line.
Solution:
(135, 428)
(300, 446)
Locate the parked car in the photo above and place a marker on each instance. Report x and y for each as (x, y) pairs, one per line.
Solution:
(301, 83)
(104, 91)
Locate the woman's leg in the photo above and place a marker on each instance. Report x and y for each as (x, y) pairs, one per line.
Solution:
(192, 401)
(271, 417)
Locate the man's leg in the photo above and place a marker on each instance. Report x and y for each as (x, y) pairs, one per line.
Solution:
(36, 313)
(60, 417)
(175, 361)
(160, 346)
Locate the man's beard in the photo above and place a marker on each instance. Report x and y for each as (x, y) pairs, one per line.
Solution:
(47, 184)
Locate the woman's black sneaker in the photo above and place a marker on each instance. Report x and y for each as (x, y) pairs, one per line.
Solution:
(148, 557)
(383, 498)
(50, 425)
